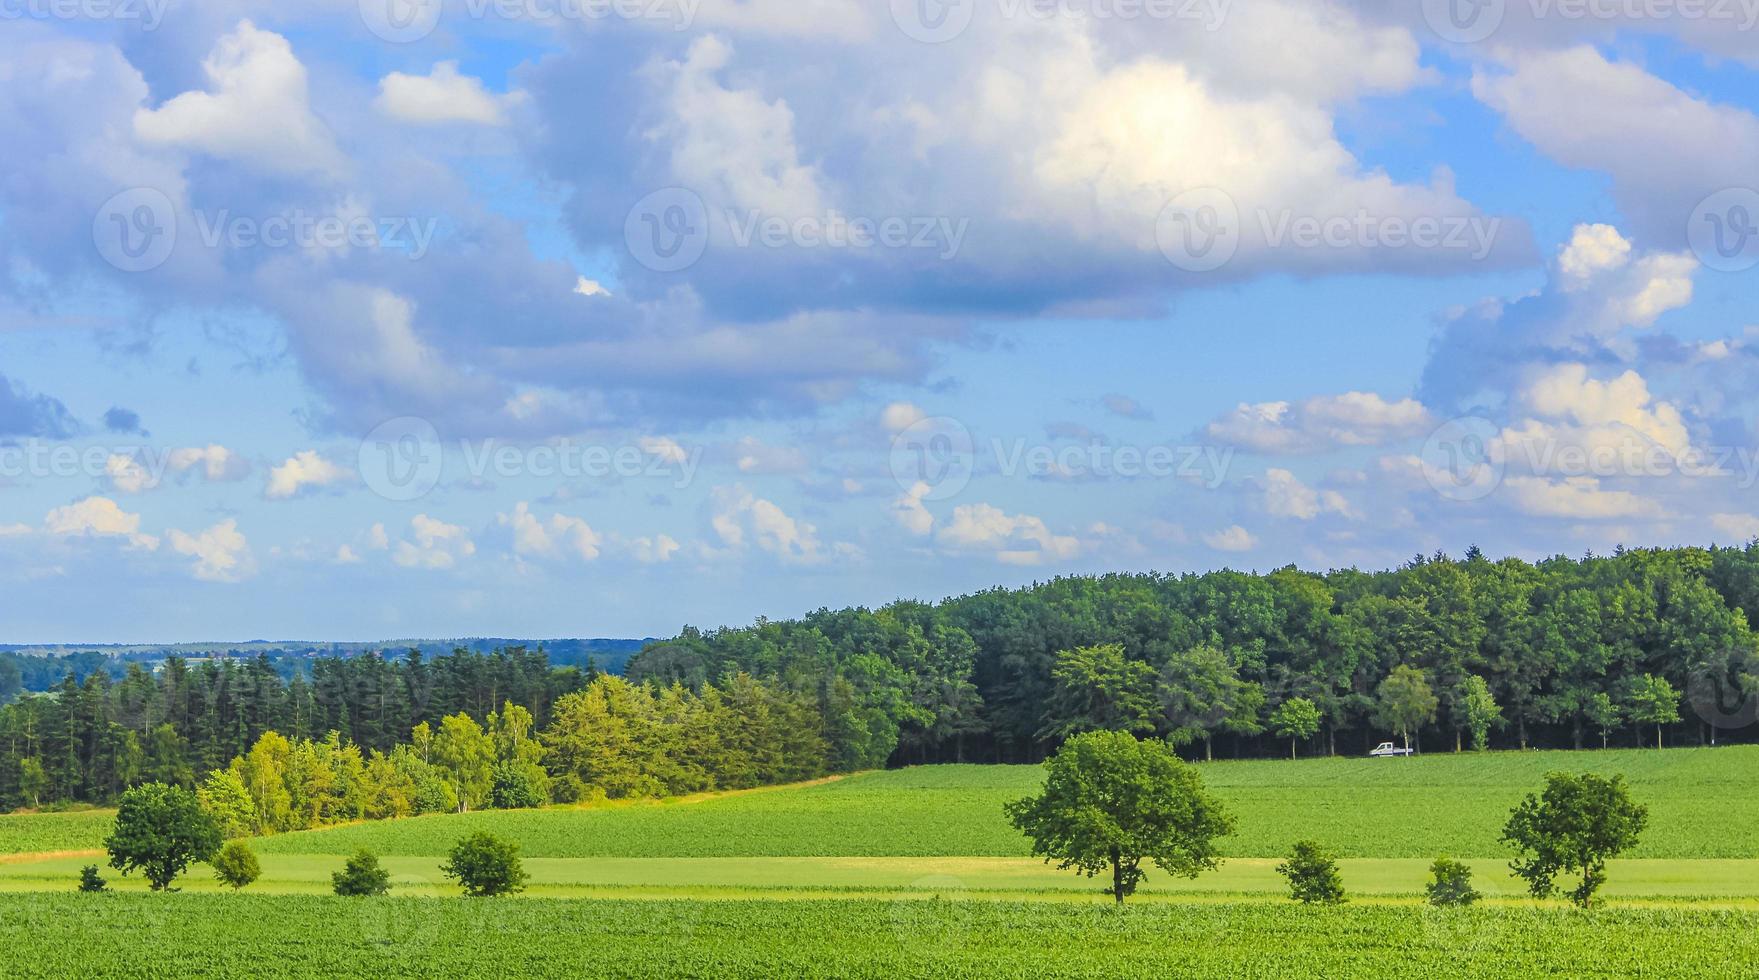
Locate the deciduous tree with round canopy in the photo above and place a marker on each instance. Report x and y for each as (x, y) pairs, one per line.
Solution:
(160, 830)
(1111, 801)
(1574, 826)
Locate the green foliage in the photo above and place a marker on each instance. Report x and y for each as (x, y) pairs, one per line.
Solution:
(236, 864)
(225, 799)
(486, 866)
(1450, 883)
(1100, 689)
(361, 876)
(518, 786)
(159, 830)
(1295, 719)
(1604, 714)
(1405, 703)
(1574, 826)
(1481, 711)
(33, 781)
(90, 880)
(323, 936)
(1653, 701)
(1313, 874)
(1110, 800)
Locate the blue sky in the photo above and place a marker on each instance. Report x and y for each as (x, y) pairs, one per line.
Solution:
(354, 319)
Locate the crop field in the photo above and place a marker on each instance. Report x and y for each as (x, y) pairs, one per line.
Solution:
(1728, 883)
(916, 873)
(31, 833)
(56, 936)
(1703, 803)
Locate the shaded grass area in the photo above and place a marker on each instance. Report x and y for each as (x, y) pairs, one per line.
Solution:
(262, 936)
(945, 876)
(1703, 804)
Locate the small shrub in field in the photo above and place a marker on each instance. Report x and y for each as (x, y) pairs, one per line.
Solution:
(1451, 884)
(1313, 874)
(486, 866)
(362, 875)
(236, 864)
(89, 880)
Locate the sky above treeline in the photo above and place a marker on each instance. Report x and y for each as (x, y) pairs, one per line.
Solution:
(360, 318)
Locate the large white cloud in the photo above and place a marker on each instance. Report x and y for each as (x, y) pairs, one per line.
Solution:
(1585, 110)
(257, 109)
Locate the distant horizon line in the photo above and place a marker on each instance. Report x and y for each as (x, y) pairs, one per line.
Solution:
(18, 647)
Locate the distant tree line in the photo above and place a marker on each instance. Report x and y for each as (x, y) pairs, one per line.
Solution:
(1599, 650)
(368, 738)
(1566, 652)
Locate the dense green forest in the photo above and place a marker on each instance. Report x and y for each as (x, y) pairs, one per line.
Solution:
(370, 738)
(1573, 652)
(1633, 648)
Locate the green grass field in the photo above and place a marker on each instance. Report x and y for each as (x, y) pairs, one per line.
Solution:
(31, 833)
(916, 873)
(246, 935)
(1703, 803)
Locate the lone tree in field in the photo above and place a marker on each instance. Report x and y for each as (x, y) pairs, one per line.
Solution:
(236, 864)
(160, 830)
(1405, 702)
(361, 876)
(1313, 874)
(1111, 801)
(486, 866)
(1295, 719)
(1451, 883)
(90, 880)
(1574, 827)
(1654, 701)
